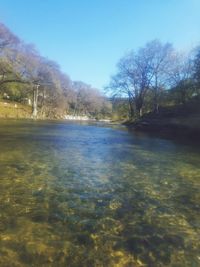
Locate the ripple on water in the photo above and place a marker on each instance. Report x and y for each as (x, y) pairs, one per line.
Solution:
(74, 195)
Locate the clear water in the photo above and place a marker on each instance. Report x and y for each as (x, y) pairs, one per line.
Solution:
(84, 195)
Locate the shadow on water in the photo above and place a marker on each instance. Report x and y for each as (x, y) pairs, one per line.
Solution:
(86, 195)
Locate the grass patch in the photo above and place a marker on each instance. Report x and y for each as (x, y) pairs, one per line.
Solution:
(10, 109)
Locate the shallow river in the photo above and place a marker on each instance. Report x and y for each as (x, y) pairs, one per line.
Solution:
(88, 195)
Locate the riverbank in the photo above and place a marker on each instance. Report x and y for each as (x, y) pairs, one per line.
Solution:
(14, 110)
(182, 121)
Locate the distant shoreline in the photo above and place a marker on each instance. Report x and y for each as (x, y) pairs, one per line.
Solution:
(169, 123)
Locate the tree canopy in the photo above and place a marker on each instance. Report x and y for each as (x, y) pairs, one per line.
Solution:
(154, 75)
(25, 74)
(148, 76)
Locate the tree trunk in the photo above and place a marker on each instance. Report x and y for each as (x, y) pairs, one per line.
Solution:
(183, 94)
(131, 109)
(156, 106)
(141, 112)
(156, 110)
(35, 102)
(139, 106)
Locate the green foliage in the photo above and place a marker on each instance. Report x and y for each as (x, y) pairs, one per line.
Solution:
(120, 109)
(15, 91)
(183, 92)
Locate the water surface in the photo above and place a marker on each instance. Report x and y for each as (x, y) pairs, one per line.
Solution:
(86, 195)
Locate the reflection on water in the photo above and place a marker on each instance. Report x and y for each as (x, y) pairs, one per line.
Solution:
(82, 195)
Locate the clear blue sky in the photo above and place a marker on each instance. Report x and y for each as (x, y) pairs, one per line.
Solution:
(87, 37)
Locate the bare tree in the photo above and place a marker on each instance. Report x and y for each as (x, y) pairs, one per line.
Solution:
(138, 72)
(120, 87)
(52, 92)
(7, 38)
(160, 60)
(181, 74)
